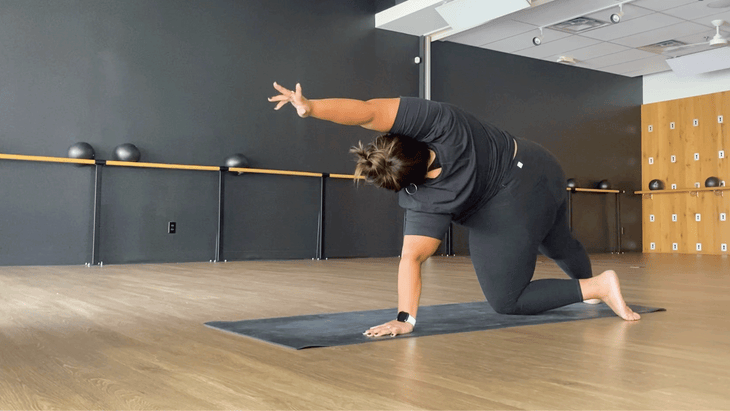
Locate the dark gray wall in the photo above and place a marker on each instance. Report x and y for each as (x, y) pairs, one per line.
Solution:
(590, 120)
(187, 82)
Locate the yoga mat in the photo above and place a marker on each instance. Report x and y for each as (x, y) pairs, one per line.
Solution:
(327, 330)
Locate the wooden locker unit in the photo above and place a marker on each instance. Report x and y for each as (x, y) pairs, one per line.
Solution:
(684, 129)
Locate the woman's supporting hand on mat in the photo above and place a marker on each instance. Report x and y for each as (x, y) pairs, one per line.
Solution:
(391, 328)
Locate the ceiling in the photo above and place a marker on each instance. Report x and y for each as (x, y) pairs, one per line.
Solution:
(613, 48)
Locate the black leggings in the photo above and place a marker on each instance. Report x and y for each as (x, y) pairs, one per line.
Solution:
(529, 214)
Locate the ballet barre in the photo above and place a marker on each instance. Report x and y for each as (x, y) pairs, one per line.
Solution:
(221, 170)
(619, 229)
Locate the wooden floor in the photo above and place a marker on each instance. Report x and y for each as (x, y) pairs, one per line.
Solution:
(132, 337)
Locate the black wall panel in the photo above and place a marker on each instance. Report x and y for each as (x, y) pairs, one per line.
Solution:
(45, 213)
(590, 120)
(138, 204)
(186, 81)
(270, 217)
(361, 221)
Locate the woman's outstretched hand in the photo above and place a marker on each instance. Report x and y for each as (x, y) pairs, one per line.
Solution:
(391, 328)
(294, 97)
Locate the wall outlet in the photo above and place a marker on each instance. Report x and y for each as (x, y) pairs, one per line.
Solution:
(651, 218)
(697, 156)
(697, 185)
(719, 119)
(674, 218)
(699, 246)
(675, 246)
(721, 153)
(674, 186)
(651, 160)
(171, 227)
(723, 217)
(673, 159)
(652, 246)
(696, 122)
(698, 217)
(651, 129)
(723, 247)
(671, 125)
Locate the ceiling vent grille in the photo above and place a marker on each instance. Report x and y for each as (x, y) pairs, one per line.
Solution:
(579, 25)
(660, 47)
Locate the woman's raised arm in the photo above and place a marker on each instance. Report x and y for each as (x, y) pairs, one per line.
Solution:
(377, 114)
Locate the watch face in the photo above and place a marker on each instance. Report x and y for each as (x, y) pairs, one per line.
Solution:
(403, 316)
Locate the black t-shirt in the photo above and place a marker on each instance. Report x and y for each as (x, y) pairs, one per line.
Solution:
(474, 157)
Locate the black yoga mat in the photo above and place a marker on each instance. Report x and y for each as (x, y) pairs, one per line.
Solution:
(327, 330)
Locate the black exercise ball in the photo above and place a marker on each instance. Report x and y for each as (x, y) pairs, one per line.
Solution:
(603, 185)
(237, 160)
(127, 152)
(656, 185)
(712, 182)
(81, 151)
(572, 183)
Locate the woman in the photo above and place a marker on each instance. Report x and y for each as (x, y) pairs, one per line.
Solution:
(509, 192)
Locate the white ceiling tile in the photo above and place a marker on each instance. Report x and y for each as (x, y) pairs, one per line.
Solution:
(563, 45)
(492, 33)
(559, 11)
(524, 41)
(661, 34)
(632, 27)
(630, 12)
(693, 11)
(591, 52)
(722, 14)
(637, 65)
(620, 57)
(659, 5)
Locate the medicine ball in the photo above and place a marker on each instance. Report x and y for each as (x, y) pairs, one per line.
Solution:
(656, 185)
(572, 183)
(237, 160)
(603, 185)
(127, 152)
(81, 151)
(712, 182)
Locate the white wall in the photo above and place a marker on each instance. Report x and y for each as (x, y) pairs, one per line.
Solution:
(668, 86)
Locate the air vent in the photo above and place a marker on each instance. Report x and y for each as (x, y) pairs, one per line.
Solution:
(658, 48)
(579, 25)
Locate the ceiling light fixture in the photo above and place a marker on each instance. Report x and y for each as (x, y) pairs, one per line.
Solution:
(616, 17)
(537, 40)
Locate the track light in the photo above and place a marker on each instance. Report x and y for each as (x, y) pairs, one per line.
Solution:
(537, 40)
(616, 17)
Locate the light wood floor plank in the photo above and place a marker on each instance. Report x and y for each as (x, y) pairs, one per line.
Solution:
(132, 337)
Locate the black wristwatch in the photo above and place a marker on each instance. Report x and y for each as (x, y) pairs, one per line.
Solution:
(404, 317)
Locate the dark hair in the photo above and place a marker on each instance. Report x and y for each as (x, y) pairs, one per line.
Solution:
(392, 161)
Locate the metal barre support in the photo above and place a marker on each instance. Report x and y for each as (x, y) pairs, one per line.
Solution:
(95, 240)
(319, 255)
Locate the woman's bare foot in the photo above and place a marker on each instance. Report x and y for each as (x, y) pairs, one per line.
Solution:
(606, 287)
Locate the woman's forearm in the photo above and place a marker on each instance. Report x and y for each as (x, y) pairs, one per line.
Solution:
(409, 286)
(344, 111)
(376, 114)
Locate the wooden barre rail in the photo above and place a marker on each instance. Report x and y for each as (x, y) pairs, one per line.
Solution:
(114, 163)
(683, 190)
(279, 172)
(161, 165)
(46, 159)
(594, 190)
